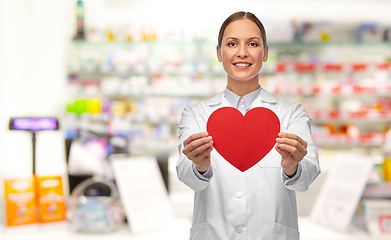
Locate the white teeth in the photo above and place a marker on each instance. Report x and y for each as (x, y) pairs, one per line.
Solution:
(242, 64)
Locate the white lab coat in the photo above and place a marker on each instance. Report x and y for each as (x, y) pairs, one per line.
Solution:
(256, 204)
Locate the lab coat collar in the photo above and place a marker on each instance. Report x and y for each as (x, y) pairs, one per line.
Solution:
(264, 96)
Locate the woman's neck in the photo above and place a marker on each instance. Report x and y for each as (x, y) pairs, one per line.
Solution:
(242, 88)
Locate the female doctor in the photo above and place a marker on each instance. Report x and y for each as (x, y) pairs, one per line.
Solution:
(260, 203)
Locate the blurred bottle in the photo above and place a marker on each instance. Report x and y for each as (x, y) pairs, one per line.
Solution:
(128, 33)
(143, 33)
(387, 35)
(110, 34)
(387, 156)
(324, 31)
(152, 34)
(80, 20)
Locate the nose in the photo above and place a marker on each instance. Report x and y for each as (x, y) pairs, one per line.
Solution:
(242, 51)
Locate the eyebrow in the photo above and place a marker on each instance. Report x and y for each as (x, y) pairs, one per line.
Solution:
(234, 38)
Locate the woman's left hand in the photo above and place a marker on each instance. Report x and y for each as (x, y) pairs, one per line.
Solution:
(292, 149)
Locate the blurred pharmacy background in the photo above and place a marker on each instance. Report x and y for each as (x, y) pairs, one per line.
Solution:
(116, 74)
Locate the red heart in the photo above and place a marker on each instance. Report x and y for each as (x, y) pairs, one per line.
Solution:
(243, 140)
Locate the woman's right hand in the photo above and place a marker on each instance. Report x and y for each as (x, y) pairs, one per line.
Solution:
(197, 148)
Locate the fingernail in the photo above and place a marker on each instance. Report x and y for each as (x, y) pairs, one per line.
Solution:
(280, 134)
(209, 138)
(278, 139)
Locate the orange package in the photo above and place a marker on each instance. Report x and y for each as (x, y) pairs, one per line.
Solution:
(20, 201)
(51, 199)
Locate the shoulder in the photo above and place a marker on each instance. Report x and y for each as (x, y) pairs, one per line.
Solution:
(284, 107)
(271, 99)
(291, 105)
(196, 106)
(214, 101)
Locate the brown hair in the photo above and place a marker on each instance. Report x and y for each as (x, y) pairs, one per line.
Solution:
(238, 16)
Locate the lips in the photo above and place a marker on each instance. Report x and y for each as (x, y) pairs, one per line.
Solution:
(242, 64)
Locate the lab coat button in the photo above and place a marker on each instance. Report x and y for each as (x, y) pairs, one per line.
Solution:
(239, 229)
(242, 106)
(239, 195)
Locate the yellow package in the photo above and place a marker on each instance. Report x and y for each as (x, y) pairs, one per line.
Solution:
(20, 201)
(387, 168)
(51, 199)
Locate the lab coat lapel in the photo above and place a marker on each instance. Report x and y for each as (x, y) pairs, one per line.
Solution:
(257, 103)
(216, 102)
(265, 99)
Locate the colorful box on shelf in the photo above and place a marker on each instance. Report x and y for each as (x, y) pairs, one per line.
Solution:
(51, 199)
(329, 67)
(337, 89)
(20, 202)
(304, 67)
(34, 200)
(377, 213)
(344, 140)
(79, 107)
(372, 138)
(363, 114)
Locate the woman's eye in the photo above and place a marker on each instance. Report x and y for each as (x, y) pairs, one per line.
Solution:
(232, 44)
(253, 44)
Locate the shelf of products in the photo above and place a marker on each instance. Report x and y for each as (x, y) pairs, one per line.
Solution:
(139, 89)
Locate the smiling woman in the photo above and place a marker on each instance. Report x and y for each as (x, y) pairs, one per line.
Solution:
(242, 51)
(257, 201)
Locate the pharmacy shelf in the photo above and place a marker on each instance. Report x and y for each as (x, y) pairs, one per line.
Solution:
(304, 44)
(294, 90)
(381, 190)
(354, 67)
(371, 115)
(145, 93)
(344, 141)
(335, 90)
(109, 71)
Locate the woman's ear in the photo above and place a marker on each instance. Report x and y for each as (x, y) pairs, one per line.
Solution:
(265, 53)
(219, 54)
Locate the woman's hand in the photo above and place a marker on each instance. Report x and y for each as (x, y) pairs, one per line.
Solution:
(292, 149)
(197, 148)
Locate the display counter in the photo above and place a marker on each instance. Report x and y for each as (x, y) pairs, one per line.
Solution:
(179, 230)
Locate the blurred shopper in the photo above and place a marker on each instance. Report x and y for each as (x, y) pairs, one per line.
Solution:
(259, 203)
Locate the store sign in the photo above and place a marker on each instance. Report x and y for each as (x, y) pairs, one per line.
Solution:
(33, 124)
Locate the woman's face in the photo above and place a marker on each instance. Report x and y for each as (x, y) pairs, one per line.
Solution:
(242, 52)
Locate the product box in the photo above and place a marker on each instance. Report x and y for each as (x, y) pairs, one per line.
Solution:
(20, 202)
(52, 205)
(377, 214)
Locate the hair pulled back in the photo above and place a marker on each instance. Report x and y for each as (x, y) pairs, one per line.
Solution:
(238, 16)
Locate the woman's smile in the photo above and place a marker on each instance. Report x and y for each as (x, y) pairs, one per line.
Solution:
(242, 65)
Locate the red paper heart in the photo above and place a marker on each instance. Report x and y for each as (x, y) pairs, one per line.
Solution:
(243, 140)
